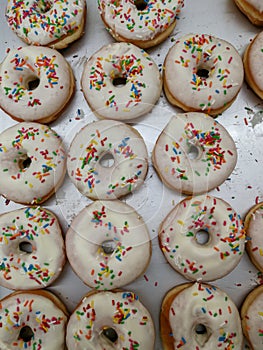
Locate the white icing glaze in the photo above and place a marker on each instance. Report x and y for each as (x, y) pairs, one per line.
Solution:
(136, 97)
(45, 319)
(178, 238)
(39, 228)
(206, 305)
(193, 52)
(45, 22)
(252, 318)
(27, 64)
(35, 183)
(121, 311)
(255, 56)
(126, 20)
(194, 153)
(108, 221)
(91, 144)
(254, 231)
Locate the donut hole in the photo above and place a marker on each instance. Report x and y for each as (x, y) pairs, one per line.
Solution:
(119, 81)
(24, 162)
(110, 334)
(140, 4)
(202, 334)
(193, 152)
(108, 246)
(32, 83)
(202, 72)
(202, 237)
(26, 334)
(106, 160)
(26, 247)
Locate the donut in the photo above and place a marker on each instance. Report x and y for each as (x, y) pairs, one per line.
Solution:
(251, 317)
(202, 238)
(110, 320)
(199, 316)
(31, 248)
(114, 250)
(32, 320)
(253, 9)
(53, 23)
(121, 81)
(36, 84)
(202, 73)
(32, 163)
(253, 224)
(194, 153)
(107, 160)
(141, 22)
(252, 65)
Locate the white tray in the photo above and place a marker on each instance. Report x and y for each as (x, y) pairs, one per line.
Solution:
(153, 201)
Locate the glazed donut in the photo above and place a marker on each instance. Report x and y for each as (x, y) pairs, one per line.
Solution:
(253, 227)
(253, 65)
(32, 320)
(110, 319)
(121, 81)
(202, 74)
(32, 163)
(199, 316)
(202, 238)
(31, 248)
(122, 145)
(114, 251)
(253, 9)
(51, 23)
(251, 317)
(36, 84)
(194, 153)
(140, 22)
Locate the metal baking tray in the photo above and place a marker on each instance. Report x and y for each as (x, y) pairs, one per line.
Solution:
(153, 200)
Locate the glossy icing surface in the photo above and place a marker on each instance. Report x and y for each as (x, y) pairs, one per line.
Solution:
(205, 305)
(121, 311)
(194, 153)
(194, 52)
(126, 148)
(254, 233)
(44, 66)
(257, 4)
(115, 222)
(141, 87)
(124, 18)
(38, 145)
(39, 228)
(223, 249)
(39, 313)
(44, 22)
(255, 55)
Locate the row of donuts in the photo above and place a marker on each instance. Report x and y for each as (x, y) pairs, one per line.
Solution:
(191, 314)
(121, 81)
(116, 248)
